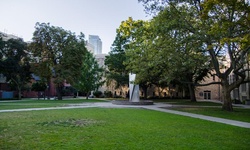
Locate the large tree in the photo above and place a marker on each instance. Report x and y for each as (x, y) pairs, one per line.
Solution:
(116, 69)
(160, 54)
(57, 54)
(139, 57)
(179, 49)
(223, 28)
(14, 62)
(91, 75)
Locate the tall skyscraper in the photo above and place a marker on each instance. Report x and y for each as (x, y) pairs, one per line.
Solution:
(96, 42)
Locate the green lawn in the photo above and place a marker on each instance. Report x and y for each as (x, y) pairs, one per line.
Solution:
(103, 128)
(209, 109)
(188, 102)
(239, 114)
(19, 104)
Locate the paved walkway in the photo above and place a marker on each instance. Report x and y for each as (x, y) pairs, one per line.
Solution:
(157, 107)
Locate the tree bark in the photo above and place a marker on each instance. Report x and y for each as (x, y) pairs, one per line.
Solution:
(191, 88)
(87, 95)
(19, 93)
(145, 92)
(59, 92)
(227, 103)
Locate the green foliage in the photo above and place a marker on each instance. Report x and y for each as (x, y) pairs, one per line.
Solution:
(39, 86)
(91, 75)
(108, 94)
(97, 94)
(219, 27)
(14, 63)
(116, 69)
(69, 91)
(160, 52)
(57, 53)
(116, 60)
(126, 55)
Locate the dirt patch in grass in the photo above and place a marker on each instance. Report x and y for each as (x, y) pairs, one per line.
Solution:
(71, 122)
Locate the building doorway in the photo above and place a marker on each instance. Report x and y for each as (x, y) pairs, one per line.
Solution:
(207, 94)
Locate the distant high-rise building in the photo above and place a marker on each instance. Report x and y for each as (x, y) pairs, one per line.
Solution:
(96, 42)
(89, 47)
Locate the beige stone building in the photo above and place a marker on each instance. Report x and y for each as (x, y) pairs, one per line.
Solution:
(241, 93)
(209, 92)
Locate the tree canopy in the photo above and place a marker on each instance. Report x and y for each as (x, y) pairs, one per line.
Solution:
(91, 75)
(116, 69)
(222, 27)
(57, 53)
(159, 53)
(14, 62)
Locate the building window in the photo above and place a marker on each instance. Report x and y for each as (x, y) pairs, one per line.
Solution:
(207, 94)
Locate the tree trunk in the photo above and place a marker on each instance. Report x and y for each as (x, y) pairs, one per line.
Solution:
(87, 95)
(19, 93)
(145, 92)
(44, 95)
(191, 89)
(159, 92)
(170, 92)
(59, 92)
(227, 103)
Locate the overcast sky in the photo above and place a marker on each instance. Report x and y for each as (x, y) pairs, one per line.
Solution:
(96, 17)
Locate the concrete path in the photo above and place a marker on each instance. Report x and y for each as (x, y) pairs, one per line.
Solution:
(157, 107)
(203, 117)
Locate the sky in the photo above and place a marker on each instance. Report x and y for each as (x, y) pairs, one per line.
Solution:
(92, 17)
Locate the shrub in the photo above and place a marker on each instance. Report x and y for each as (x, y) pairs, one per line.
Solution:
(108, 94)
(97, 94)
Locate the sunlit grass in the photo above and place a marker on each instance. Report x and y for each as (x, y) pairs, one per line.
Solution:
(100, 128)
(239, 114)
(188, 102)
(42, 103)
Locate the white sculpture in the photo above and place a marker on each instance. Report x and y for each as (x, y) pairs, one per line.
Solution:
(133, 89)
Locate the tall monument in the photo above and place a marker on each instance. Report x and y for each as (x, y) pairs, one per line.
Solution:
(134, 95)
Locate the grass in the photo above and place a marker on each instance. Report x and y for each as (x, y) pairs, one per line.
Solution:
(238, 114)
(19, 104)
(209, 109)
(102, 128)
(188, 102)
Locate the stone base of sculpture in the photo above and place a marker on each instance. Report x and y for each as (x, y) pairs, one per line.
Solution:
(126, 102)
